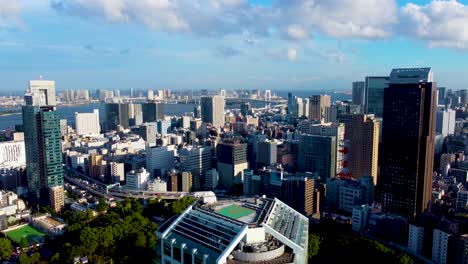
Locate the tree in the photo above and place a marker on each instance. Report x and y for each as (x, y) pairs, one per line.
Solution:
(180, 205)
(24, 242)
(405, 259)
(5, 248)
(314, 245)
(24, 259)
(102, 205)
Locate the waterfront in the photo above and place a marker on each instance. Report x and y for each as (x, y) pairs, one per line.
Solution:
(68, 111)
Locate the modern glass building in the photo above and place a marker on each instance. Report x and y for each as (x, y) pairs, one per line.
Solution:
(258, 230)
(408, 136)
(42, 137)
(374, 94)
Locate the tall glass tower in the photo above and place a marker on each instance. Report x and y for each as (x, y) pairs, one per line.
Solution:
(408, 132)
(43, 143)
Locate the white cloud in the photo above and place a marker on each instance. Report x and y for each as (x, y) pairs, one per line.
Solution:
(292, 54)
(202, 17)
(9, 12)
(441, 23)
(296, 32)
(341, 18)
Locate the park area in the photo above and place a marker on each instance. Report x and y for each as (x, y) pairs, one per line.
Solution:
(30, 233)
(235, 211)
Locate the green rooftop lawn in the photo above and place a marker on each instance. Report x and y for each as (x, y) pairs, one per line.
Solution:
(235, 211)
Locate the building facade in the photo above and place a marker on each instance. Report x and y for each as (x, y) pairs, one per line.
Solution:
(405, 181)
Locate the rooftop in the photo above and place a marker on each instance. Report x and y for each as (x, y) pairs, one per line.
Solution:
(238, 229)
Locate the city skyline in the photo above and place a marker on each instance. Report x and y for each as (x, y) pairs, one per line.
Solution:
(229, 44)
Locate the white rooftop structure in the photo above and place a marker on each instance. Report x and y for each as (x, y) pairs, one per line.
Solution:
(256, 230)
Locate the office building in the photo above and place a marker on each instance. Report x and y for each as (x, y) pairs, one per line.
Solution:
(96, 166)
(317, 155)
(232, 160)
(298, 192)
(163, 127)
(160, 159)
(374, 94)
(212, 110)
(362, 138)
(172, 182)
(196, 160)
(137, 180)
(358, 93)
(147, 131)
(405, 180)
(211, 234)
(266, 153)
(117, 115)
(152, 112)
(211, 179)
(416, 239)
(336, 130)
(87, 123)
(445, 122)
(43, 141)
(185, 182)
(462, 201)
(441, 96)
(246, 109)
(318, 105)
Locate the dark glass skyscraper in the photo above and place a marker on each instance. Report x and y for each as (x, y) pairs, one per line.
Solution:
(152, 112)
(408, 135)
(117, 114)
(374, 94)
(43, 143)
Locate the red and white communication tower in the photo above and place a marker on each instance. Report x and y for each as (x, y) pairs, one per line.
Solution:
(344, 173)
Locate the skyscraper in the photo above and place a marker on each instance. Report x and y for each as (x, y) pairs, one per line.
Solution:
(408, 136)
(358, 93)
(43, 143)
(317, 155)
(362, 134)
(212, 110)
(117, 115)
(374, 94)
(152, 112)
(331, 129)
(232, 160)
(318, 105)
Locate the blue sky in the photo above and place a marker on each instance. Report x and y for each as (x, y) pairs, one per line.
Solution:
(230, 44)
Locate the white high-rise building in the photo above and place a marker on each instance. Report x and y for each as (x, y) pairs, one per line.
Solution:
(87, 123)
(440, 246)
(117, 172)
(150, 95)
(445, 122)
(360, 217)
(137, 180)
(160, 158)
(212, 110)
(416, 239)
